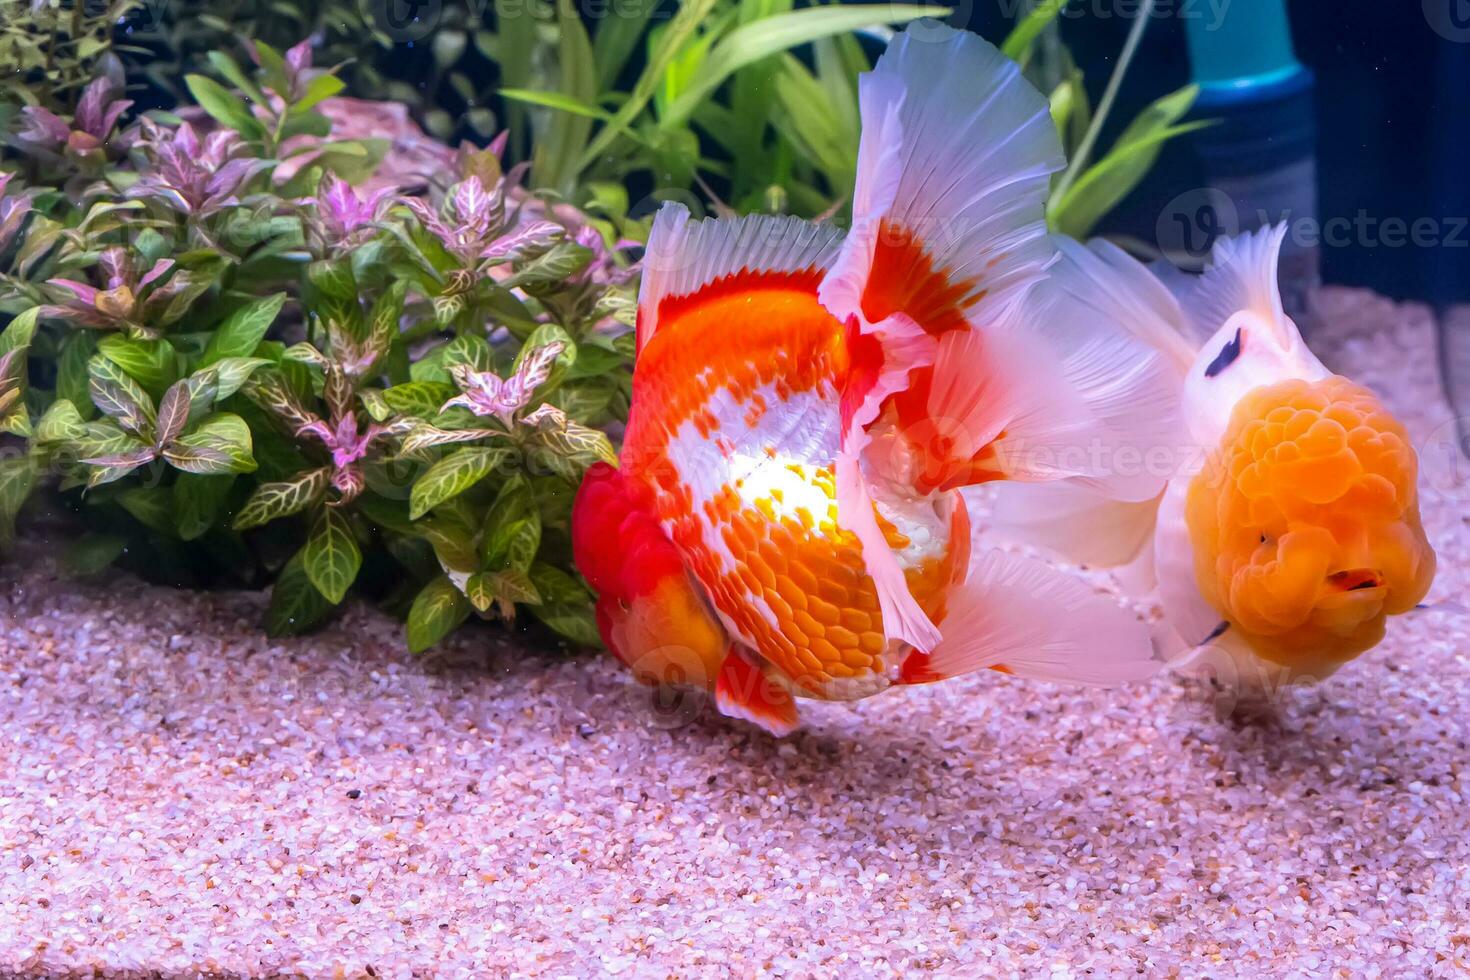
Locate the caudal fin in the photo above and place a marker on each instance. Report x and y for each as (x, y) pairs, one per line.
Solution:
(949, 229)
(1026, 618)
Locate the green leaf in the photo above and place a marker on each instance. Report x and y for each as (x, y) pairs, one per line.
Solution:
(272, 501)
(1018, 43)
(17, 476)
(562, 139)
(153, 507)
(437, 610)
(243, 330)
(19, 332)
(230, 69)
(771, 35)
(1077, 211)
(453, 540)
(672, 39)
(61, 423)
(470, 351)
(514, 545)
(616, 39)
(296, 606)
(226, 107)
(219, 444)
(556, 585)
(578, 443)
(559, 262)
(221, 380)
(93, 553)
(453, 475)
(503, 589)
(422, 436)
(420, 398)
(71, 372)
(152, 363)
(556, 100)
(115, 392)
(318, 90)
(574, 621)
(198, 501)
(331, 557)
(333, 279)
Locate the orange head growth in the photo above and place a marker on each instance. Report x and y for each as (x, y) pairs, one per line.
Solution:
(648, 611)
(1305, 523)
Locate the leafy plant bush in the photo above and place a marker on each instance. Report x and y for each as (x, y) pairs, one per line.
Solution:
(232, 363)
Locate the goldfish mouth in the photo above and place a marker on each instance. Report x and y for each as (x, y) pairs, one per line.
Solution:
(1355, 580)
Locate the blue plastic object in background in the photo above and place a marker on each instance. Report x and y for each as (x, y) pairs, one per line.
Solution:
(1261, 154)
(1244, 53)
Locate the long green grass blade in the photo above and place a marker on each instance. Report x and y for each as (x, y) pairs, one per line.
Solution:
(671, 41)
(752, 42)
(1018, 43)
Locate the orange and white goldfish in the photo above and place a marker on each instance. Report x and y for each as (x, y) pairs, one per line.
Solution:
(786, 520)
(1299, 534)
(1292, 531)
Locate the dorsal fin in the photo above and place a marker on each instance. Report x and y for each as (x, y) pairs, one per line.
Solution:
(1242, 277)
(685, 257)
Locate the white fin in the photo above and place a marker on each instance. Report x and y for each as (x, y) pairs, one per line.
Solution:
(1073, 522)
(1252, 341)
(684, 256)
(953, 168)
(1037, 621)
(1185, 609)
(1112, 417)
(957, 149)
(1242, 278)
(1122, 291)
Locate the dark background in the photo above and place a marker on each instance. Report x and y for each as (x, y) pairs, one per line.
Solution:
(1391, 129)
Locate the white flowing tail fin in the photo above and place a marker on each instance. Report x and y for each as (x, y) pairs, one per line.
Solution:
(949, 230)
(1024, 617)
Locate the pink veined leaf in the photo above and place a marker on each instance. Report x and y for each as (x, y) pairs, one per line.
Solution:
(160, 268)
(43, 127)
(298, 56)
(536, 368)
(186, 141)
(98, 110)
(83, 292)
(117, 266)
(471, 202)
(545, 413)
(537, 233)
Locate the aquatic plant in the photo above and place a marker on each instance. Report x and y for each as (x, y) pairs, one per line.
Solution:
(223, 374)
(52, 50)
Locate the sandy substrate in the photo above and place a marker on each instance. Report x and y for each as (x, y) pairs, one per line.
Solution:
(179, 794)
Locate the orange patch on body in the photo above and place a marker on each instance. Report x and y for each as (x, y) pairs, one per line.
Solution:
(788, 579)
